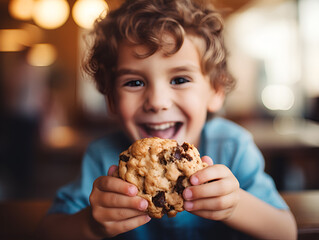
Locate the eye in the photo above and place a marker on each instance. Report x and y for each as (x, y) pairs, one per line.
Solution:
(134, 83)
(179, 80)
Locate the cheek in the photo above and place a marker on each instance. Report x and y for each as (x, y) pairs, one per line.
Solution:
(126, 106)
(124, 112)
(195, 104)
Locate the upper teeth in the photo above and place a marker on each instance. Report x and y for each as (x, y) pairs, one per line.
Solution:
(160, 126)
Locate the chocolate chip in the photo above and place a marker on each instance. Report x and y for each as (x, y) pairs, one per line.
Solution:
(178, 153)
(179, 188)
(188, 157)
(159, 199)
(165, 210)
(185, 146)
(124, 158)
(161, 158)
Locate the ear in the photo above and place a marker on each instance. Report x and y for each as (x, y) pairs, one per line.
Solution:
(216, 100)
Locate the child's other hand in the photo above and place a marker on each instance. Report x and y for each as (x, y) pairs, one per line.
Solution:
(218, 197)
(115, 206)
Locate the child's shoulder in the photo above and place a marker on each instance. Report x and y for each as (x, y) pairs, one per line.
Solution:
(222, 128)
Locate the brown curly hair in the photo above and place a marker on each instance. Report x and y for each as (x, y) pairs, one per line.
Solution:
(144, 22)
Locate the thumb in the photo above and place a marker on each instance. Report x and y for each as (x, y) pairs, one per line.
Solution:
(207, 160)
(112, 170)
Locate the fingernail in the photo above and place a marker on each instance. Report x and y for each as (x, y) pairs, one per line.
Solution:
(194, 180)
(188, 206)
(147, 218)
(143, 204)
(132, 190)
(188, 194)
(210, 163)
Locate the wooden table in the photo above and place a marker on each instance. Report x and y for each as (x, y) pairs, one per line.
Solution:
(305, 207)
(19, 219)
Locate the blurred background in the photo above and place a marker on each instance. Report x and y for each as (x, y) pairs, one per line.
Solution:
(50, 110)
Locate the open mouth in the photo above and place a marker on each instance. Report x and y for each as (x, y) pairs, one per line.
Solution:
(162, 130)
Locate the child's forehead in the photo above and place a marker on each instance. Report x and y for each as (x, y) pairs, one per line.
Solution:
(167, 44)
(187, 58)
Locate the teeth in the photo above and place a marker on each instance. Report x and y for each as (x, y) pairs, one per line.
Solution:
(161, 126)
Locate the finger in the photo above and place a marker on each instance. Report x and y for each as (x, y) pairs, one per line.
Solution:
(217, 188)
(207, 160)
(213, 172)
(102, 214)
(127, 225)
(214, 215)
(114, 200)
(112, 169)
(116, 185)
(212, 204)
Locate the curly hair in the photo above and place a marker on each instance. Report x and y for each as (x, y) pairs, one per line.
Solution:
(145, 22)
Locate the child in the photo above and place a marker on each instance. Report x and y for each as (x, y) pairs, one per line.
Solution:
(162, 66)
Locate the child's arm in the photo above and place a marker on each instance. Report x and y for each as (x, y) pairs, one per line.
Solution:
(114, 209)
(262, 220)
(222, 199)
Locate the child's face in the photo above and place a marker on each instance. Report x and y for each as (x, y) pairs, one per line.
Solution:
(160, 96)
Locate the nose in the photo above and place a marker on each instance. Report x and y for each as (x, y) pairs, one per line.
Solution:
(157, 99)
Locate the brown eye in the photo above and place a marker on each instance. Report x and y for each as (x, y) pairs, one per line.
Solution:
(179, 80)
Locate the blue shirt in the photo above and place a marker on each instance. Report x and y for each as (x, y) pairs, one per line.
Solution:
(225, 142)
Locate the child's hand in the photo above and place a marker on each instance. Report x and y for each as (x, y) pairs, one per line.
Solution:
(115, 206)
(218, 197)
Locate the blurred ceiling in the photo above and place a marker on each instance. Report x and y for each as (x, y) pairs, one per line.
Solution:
(228, 5)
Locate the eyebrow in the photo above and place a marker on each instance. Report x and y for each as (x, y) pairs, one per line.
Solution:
(185, 68)
(126, 71)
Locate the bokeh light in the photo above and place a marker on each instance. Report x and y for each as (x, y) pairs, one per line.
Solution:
(278, 97)
(85, 12)
(11, 40)
(21, 9)
(51, 14)
(41, 55)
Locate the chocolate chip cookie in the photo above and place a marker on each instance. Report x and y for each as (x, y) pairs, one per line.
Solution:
(160, 168)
